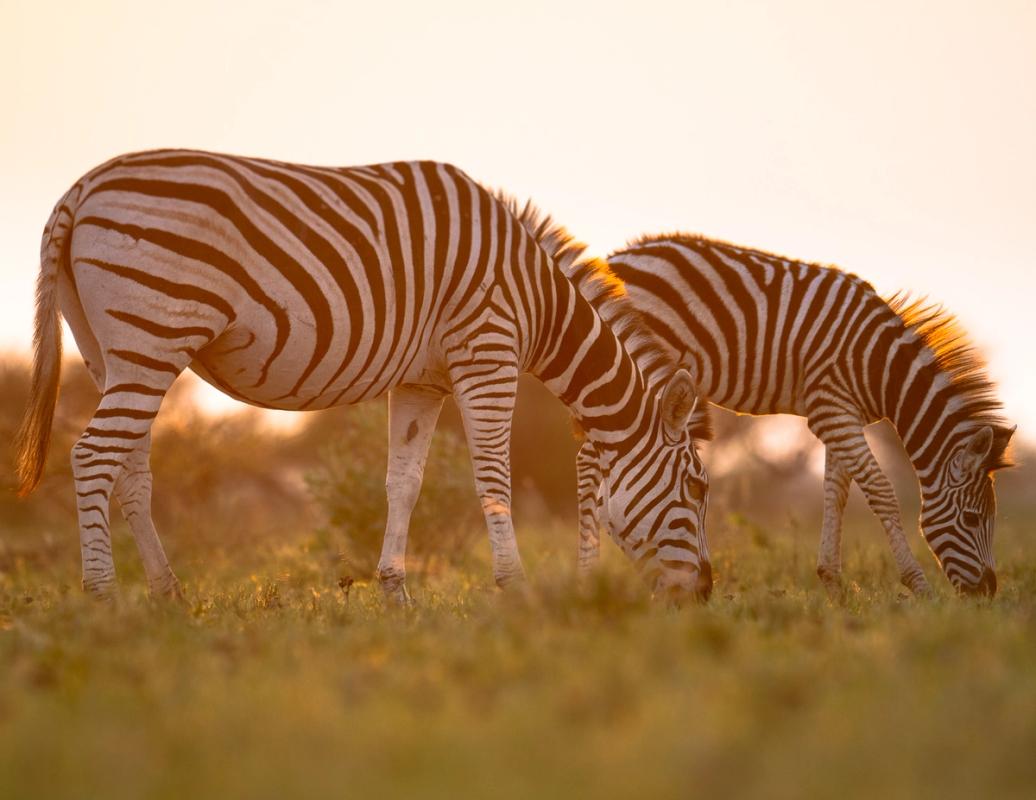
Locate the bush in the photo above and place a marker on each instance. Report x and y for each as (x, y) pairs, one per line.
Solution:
(349, 486)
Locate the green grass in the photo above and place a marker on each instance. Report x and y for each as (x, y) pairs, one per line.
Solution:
(272, 682)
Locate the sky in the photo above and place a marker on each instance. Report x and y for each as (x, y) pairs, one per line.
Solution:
(894, 139)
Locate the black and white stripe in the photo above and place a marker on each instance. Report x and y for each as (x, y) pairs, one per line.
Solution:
(298, 287)
(763, 334)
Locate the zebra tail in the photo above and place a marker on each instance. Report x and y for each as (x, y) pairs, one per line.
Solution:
(34, 435)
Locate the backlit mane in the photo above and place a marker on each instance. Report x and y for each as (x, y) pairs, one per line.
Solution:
(956, 357)
(698, 240)
(689, 239)
(553, 237)
(936, 328)
(598, 284)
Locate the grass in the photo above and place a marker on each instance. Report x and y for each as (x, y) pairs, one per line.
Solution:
(274, 682)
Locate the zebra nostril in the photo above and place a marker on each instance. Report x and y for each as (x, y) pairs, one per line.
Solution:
(986, 584)
(703, 588)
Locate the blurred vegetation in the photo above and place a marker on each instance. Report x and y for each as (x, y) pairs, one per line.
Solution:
(234, 482)
(280, 679)
(348, 484)
(281, 684)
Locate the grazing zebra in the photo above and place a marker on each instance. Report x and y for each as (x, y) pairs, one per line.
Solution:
(299, 287)
(762, 334)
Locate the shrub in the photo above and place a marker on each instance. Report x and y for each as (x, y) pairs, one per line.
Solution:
(349, 485)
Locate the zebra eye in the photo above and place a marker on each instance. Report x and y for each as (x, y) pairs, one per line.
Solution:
(971, 519)
(695, 490)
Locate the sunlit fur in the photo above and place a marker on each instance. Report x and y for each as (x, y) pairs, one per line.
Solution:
(653, 485)
(301, 287)
(958, 499)
(764, 334)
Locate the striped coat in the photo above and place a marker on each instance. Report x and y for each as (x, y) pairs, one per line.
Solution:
(762, 334)
(298, 287)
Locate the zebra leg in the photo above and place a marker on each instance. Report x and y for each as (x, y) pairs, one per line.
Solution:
(486, 403)
(133, 491)
(848, 446)
(588, 480)
(829, 557)
(413, 412)
(119, 427)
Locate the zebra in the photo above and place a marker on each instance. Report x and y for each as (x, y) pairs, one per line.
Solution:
(763, 334)
(300, 287)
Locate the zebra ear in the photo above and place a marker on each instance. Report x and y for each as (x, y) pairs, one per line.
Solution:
(997, 457)
(700, 423)
(679, 401)
(978, 448)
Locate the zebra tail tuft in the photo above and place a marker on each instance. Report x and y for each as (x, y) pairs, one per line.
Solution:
(34, 435)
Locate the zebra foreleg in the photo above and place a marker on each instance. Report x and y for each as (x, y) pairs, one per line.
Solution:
(486, 403)
(588, 480)
(413, 412)
(133, 491)
(829, 556)
(848, 445)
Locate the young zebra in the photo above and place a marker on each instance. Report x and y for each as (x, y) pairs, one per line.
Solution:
(298, 287)
(762, 334)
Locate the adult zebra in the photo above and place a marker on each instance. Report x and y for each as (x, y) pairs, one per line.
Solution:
(762, 334)
(299, 287)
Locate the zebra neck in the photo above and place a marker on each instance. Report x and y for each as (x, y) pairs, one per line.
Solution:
(587, 367)
(923, 405)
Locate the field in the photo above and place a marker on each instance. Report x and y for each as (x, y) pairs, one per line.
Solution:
(275, 681)
(278, 678)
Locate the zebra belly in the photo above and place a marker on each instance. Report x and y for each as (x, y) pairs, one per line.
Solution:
(732, 394)
(238, 364)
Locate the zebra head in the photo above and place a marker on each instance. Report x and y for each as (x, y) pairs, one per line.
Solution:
(654, 495)
(958, 506)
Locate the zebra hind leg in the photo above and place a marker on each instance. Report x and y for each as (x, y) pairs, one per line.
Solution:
(829, 555)
(133, 491)
(849, 446)
(413, 412)
(588, 473)
(118, 430)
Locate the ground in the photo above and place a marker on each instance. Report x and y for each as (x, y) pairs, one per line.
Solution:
(274, 681)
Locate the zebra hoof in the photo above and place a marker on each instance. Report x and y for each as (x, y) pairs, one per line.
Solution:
(511, 582)
(832, 583)
(168, 590)
(400, 599)
(918, 585)
(515, 591)
(393, 586)
(107, 592)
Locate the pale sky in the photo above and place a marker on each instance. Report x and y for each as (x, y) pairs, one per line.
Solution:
(896, 139)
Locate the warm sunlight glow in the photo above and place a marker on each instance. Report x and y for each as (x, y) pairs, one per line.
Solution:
(214, 402)
(902, 152)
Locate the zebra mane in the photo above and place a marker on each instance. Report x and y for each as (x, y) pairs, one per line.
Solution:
(936, 328)
(681, 237)
(562, 246)
(700, 240)
(601, 287)
(958, 359)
